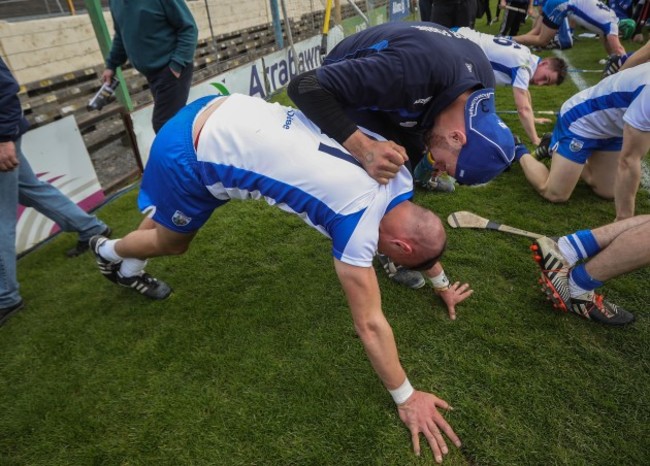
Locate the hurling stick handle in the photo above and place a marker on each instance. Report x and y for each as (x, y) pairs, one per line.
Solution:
(508, 229)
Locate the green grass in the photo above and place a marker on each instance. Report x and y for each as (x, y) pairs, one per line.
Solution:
(254, 359)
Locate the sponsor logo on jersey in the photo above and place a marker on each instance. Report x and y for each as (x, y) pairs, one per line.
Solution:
(576, 145)
(470, 67)
(180, 219)
(290, 115)
(408, 124)
(422, 101)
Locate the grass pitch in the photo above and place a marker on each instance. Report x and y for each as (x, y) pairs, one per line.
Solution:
(254, 360)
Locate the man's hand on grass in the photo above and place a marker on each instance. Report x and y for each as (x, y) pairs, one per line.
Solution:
(420, 414)
(455, 294)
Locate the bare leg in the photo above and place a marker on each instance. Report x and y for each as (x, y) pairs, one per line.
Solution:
(145, 243)
(555, 185)
(626, 247)
(613, 45)
(600, 171)
(540, 40)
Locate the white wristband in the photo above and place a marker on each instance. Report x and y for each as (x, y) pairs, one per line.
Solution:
(403, 392)
(440, 281)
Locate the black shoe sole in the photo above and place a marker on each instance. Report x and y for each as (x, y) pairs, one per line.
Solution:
(9, 311)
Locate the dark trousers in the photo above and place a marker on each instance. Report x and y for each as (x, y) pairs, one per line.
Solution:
(425, 9)
(454, 13)
(169, 93)
(484, 7)
(511, 22)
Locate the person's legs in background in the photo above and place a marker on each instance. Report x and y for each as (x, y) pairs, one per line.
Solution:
(425, 9)
(9, 293)
(52, 203)
(169, 94)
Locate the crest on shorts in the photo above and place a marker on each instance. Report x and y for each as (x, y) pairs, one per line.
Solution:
(180, 219)
(576, 145)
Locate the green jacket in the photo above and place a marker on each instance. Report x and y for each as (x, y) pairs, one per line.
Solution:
(152, 34)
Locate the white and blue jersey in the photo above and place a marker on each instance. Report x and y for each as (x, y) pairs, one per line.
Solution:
(251, 149)
(591, 14)
(593, 119)
(513, 64)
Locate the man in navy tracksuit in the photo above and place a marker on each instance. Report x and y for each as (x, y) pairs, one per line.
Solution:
(422, 87)
(403, 80)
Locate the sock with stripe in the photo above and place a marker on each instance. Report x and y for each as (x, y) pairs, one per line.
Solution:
(580, 282)
(578, 246)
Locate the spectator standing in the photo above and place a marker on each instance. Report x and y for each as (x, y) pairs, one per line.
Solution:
(514, 16)
(425, 9)
(454, 13)
(19, 184)
(159, 39)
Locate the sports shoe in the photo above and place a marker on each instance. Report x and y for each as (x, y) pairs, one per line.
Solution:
(555, 272)
(83, 246)
(401, 275)
(543, 151)
(145, 284)
(423, 171)
(592, 306)
(7, 312)
(613, 64)
(554, 43)
(107, 268)
(440, 183)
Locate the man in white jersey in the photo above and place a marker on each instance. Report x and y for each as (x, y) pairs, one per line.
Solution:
(601, 136)
(240, 147)
(514, 65)
(591, 14)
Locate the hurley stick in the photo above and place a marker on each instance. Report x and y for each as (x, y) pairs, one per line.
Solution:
(464, 219)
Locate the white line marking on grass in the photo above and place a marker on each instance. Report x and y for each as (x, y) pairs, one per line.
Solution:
(577, 79)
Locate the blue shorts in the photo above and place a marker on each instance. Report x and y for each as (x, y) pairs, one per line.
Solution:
(554, 12)
(172, 192)
(579, 148)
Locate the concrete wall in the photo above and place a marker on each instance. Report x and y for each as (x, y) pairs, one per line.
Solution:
(38, 49)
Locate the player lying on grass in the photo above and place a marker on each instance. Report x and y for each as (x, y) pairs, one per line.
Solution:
(240, 147)
(514, 65)
(613, 250)
(601, 136)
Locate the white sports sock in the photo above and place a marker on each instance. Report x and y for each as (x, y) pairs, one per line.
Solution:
(575, 289)
(107, 251)
(567, 250)
(132, 267)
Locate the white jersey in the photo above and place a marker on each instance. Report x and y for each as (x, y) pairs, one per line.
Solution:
(600, 111)
(302, 171)
(513, 64)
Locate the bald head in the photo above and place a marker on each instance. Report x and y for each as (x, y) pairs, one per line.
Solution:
(412, 236)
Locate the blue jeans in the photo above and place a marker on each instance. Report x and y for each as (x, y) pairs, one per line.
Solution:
(21, 185)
